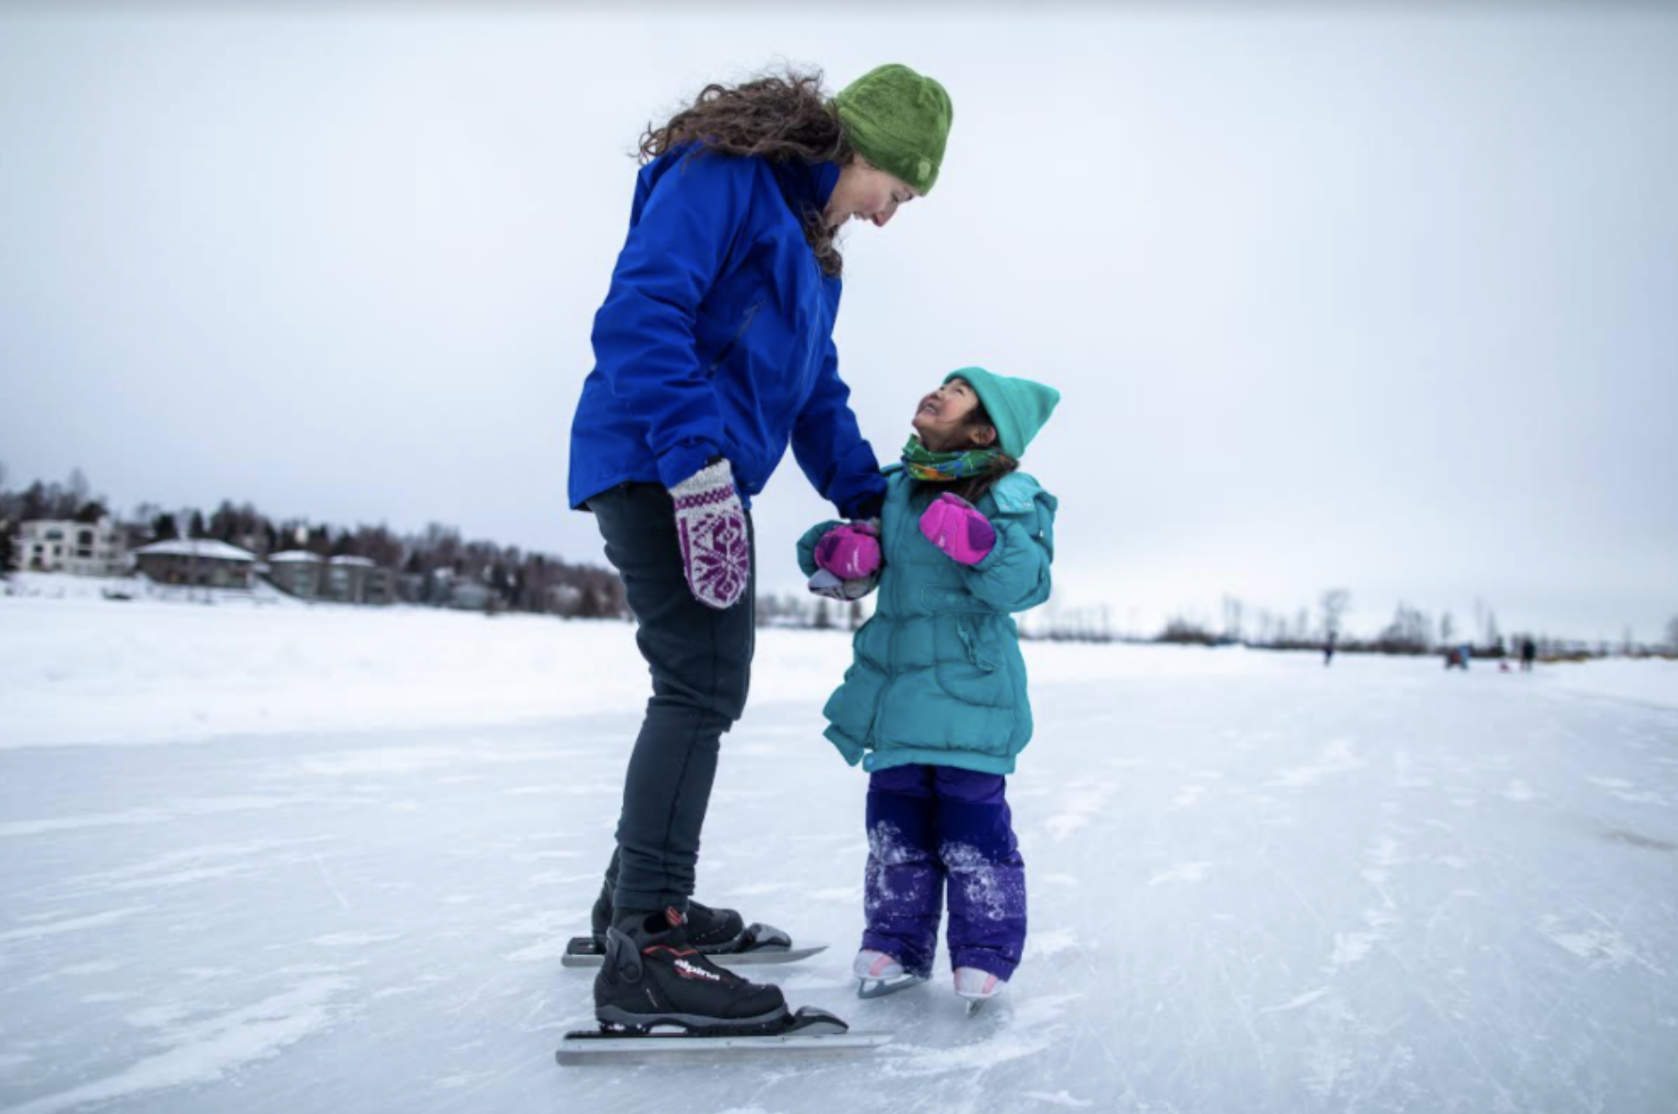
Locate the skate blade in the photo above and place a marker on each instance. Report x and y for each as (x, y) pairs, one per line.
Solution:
(583, 952)
(814, 1032)
(879, 988)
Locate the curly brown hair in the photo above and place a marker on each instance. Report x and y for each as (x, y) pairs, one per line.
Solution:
(779, 117)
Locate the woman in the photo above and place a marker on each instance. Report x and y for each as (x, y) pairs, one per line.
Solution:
(713, 350)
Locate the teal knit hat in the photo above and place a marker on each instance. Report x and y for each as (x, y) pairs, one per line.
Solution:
(898, 120)
(1017, 407)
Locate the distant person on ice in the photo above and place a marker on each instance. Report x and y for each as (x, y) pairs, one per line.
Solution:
(934, 705)
(1529, 652)
(714, 349)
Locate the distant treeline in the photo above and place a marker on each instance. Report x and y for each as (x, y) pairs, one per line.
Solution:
(1410, 631)
(427, 566)
(430, 565)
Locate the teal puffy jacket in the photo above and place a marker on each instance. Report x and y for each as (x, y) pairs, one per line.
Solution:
(937, 677)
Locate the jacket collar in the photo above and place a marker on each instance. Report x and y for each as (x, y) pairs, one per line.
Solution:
(806, 184)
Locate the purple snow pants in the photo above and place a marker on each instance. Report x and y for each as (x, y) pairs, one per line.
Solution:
(928, 825)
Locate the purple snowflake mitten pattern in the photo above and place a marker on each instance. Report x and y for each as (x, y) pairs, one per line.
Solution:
(711, 526)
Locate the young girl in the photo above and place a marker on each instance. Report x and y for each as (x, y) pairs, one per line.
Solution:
(934, 705)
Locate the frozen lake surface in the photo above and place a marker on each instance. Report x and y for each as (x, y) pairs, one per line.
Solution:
(289, 859)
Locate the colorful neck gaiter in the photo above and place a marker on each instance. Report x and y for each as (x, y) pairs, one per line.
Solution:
(924, 464)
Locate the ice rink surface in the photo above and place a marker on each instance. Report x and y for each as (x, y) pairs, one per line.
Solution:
(285, 860)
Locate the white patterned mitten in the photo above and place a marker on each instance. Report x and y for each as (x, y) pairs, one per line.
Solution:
(711, 525)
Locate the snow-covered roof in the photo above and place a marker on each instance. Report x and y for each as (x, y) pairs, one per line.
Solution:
(363, 562)
(294, 557)
(65, 523)
(203, 548)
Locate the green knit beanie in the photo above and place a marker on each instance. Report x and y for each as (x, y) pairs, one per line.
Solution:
(1017, 407)
(898, 120)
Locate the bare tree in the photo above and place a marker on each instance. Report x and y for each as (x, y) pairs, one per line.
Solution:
(1672, 634)
(1181, 629)
(1447, 629)
(1232, 618)
(1407, 633)
(1335, 601)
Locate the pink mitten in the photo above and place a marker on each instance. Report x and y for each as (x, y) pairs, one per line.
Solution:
(851, 551)
(955, 527)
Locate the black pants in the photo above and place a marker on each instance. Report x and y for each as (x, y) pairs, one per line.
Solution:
(701, 664)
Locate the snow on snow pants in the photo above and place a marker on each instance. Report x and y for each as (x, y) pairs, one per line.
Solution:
(701, 663)
(932, 827)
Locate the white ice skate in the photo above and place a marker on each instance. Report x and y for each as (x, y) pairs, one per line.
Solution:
(977, 987)
(878, 974)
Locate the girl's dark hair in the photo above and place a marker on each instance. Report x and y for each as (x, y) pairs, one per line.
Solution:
(974, 488)
(779, 117)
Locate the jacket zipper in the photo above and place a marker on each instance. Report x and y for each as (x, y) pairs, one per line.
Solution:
(751, 315)
(891, 643)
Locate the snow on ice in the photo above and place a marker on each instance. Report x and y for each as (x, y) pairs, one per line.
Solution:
(282, 858)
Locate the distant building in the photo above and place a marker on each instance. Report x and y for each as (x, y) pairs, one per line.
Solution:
(469, 595)
(296, 571)
(358, 580)
(411, 587)
(201, 562)
(442, 588)
(565, 599)
(63, 545)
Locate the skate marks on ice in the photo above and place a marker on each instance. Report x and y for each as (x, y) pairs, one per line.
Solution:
(1624, 790)
(280, 910)
(1182, 872)
(1599, 945)
(1637, 839)
(1359, 940)
(1448, 898)
(186, 1047)
(1336, 757)
(939, 1038)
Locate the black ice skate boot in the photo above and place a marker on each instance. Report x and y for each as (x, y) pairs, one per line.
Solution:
(600, 917)
(709, 930)
(653, 976)
(713, 930)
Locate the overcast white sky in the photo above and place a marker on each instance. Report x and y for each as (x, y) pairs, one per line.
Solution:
(1385, 300)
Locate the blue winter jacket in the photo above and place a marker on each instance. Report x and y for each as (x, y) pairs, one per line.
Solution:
(936, 676)
(716, 338)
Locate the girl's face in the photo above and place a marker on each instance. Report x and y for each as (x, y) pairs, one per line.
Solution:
(942, 416)
(865, 192)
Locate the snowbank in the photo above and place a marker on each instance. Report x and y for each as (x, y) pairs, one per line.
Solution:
(78, 668)
(1647, 681)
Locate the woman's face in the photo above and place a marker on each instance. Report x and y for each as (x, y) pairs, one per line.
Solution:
(865, 192)
(941, 419)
